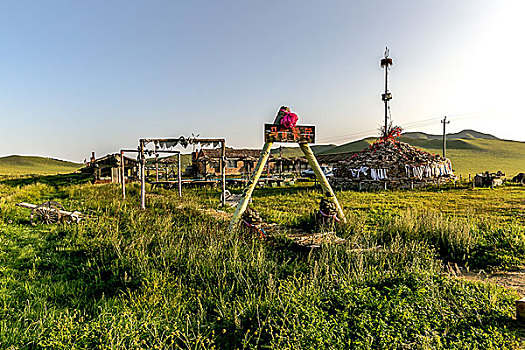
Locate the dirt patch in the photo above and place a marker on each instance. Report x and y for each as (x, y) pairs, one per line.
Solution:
(512, 280)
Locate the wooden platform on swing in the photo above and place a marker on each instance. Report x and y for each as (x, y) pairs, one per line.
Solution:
(297, 236)
(301, 238)
(315, 240)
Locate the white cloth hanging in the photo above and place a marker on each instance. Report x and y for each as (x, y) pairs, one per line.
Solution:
(363, 170)
(418, 172)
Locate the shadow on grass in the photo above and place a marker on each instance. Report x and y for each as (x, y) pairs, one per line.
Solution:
(51, 180)
(74, 275)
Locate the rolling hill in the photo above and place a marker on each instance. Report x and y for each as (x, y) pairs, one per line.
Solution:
(24, 165)
(464, 134)
(470, 151)
(478, 155)
(296, 151)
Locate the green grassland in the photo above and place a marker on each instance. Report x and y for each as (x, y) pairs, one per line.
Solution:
(464, 134)
(354, 146)
(470, 151)
(173, 277)
(23, 165)
(479, 155)
(475, 153)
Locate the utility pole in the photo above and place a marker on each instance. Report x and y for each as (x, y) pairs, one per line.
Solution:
(280, 161)
(387, 96)
(445, 122)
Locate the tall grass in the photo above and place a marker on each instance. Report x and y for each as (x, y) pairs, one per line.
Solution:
(174, 277)
(453, 236)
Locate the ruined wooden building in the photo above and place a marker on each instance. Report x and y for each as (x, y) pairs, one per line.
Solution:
(241, 162)
(288, 165)
(488, 179)
(107, 169)
(238, 161)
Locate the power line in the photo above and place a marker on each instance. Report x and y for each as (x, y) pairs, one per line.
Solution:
(419, 123)
(409, 125)
(362, 133)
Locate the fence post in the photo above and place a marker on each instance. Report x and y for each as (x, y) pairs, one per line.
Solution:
(142, 176)
(123, 176)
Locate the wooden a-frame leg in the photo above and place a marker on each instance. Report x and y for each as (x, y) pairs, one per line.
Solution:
(247, 193)
(327, 189)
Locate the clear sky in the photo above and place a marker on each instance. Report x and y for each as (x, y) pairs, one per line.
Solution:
(82, 76)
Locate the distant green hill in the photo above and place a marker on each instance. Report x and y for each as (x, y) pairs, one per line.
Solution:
(295, 151)
(470, 151)
(438, 144)
(350, 146)
(24, 165)
(464, 134)
(478, 155)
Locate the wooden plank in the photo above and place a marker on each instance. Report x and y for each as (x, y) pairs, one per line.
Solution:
(197, 140)
(33, 206)
(26, 205)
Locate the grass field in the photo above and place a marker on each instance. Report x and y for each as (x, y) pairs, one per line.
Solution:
(24, 165)
(468, 156)
(478, 155)
(173, 277)
(471, 152)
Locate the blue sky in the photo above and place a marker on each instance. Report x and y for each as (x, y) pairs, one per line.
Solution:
(82, 76)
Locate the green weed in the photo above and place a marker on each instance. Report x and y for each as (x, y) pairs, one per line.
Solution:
(173, 277)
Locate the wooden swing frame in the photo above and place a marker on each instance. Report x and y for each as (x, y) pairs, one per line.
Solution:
(263, 159)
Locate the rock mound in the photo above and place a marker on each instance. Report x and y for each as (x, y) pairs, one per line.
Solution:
(394, 164)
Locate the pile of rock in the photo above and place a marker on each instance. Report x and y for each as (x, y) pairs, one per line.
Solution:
(391, 164)
(327, 214)
(251, 217)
